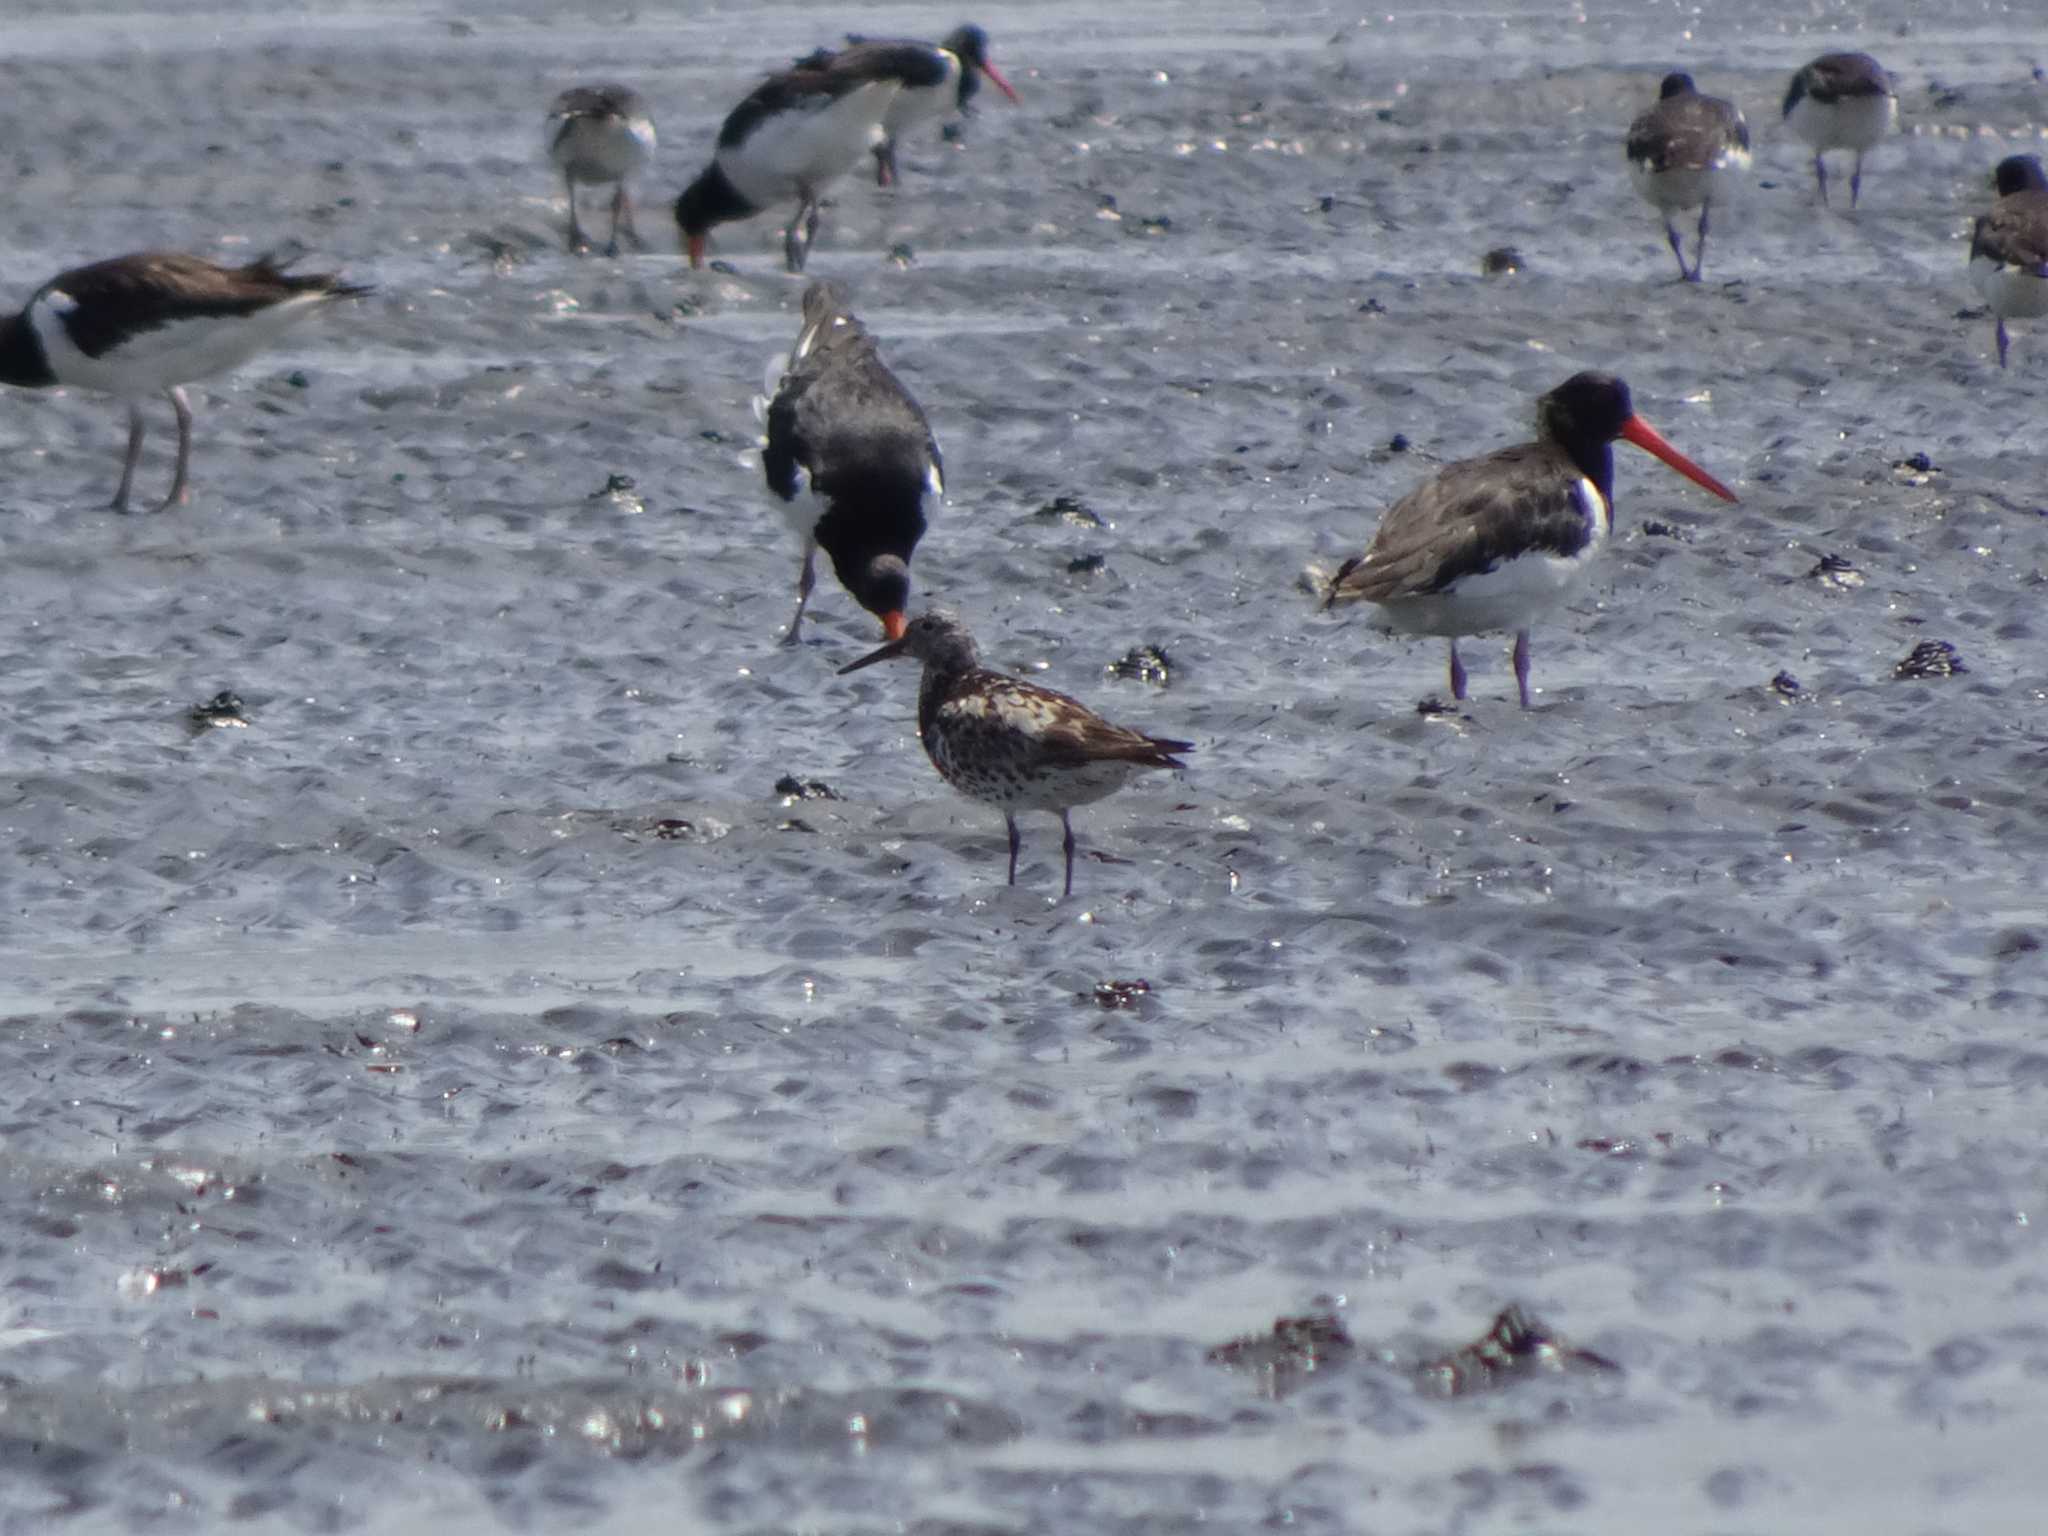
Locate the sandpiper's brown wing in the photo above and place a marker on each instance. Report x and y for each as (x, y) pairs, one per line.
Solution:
(616, 102)
(1690, 132)
(1063, 732)
(2014, 233)
(1467, 519)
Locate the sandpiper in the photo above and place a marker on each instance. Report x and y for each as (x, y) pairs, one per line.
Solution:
(2009, 249)
(1688, 151)
(1490, 543)
(599, 135)
(1013, 744)
(1841, 101)
(842, 422)
(794, 134)
(151, 322)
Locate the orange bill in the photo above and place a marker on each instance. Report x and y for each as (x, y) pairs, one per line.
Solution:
(1650, 440)
(1001, 84)
(893, 625)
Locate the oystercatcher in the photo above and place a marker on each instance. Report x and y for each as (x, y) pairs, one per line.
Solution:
(1841, 101)
(945, 77)
(151, 322)
(842, 422)
(598, 135)
(2009, 250)
(795, 134)
(1490, 543)
(1687, 152)
(1013, 744)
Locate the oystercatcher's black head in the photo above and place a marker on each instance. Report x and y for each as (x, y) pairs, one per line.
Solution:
(969, 44)
(1588, 411)
(935, 637)
(1677, 83)
(709, 200)
(880, 584)
(2019, 173)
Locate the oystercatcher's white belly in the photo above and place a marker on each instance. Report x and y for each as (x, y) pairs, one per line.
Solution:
(1854, 122)
(1512, 593)
(2012, 293)
(801, 149)
(173, 353)
(916, 104)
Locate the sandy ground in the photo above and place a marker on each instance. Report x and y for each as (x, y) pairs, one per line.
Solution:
(432, 1103)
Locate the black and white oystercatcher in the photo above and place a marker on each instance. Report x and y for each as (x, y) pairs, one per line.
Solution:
(1491, 543)
(1841, 101)
(795, 134)
(1013, 744)
(148, 323)
(2009, 250)
(939, 78)
(842, 422)
(1688, 151)
(599, 135)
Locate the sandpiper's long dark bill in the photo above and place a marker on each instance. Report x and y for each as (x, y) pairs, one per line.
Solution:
(2009, 246)
(1491, 543)
(794, 134)
(1841, 101)
(1688, 151)
(1013, 744)
(843, 424)
(599, 135)
(151, 322)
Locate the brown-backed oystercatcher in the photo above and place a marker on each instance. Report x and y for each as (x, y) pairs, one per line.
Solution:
(1491, 543)
(2009, 249)
(795, 134)
(151, 322)
(944, 80)
(1688, 151)
(599, 135)
(842, 422)
(1013, 744)
(1841, 101)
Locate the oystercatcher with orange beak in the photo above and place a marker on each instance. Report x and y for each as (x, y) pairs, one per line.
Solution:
(796, 133)
(2009, 248)
(842, 422)
(151, 322)
(945, 81)
(1492, 543)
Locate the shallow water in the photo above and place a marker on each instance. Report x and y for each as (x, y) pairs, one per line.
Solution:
(470, 1094)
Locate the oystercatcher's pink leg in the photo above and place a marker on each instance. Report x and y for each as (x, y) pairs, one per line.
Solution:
(577, 243)
(804, 583)
(1522, 664)
(179, 492)
(120, 501)
(2002, 341)
(1820, 170)
(1457, 673)
(1856, 181)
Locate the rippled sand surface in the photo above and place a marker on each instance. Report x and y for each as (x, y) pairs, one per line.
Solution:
(471, 1095)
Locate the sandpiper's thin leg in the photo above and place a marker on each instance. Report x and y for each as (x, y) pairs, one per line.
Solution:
(804, 583)
(1522, 664)
(1699, 252)
(1011, 822)
(577, 243)
(179, 492)
(120, 501)
(1457, 673)
(1067, 847)
(1677, 249)
(622, 220)
(1820, 171)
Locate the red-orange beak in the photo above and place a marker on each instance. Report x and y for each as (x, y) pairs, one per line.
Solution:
(996, 78)
(1650, 440)
(696, 244)
(893, 625)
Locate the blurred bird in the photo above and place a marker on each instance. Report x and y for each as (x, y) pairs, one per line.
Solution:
(1688, 151)
(943, 79)
(599, 135)
(2009, 249)
(841, 422)
(1013, 744)
(794, 134)
(1491, 543)
(149, 323)
(1841, 101)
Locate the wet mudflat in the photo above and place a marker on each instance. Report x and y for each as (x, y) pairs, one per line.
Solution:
(479, 1076)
